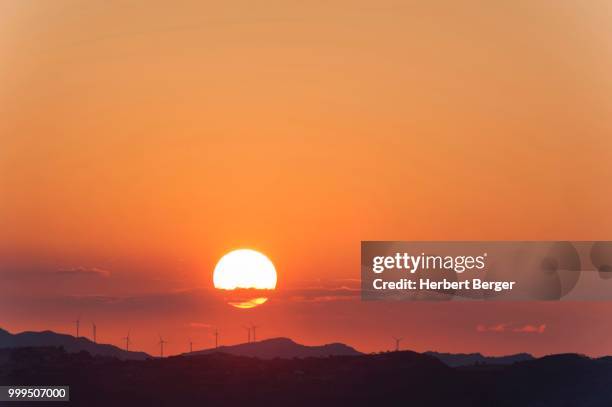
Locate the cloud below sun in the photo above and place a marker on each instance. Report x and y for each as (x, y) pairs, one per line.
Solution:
(84, 271)
(513, 328)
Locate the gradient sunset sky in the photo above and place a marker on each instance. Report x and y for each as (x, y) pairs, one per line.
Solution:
(142, 140)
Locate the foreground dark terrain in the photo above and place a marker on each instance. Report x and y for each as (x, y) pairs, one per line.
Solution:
(395, 378)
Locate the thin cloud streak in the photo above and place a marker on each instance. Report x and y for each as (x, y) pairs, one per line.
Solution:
(506, 327)
(84, 271)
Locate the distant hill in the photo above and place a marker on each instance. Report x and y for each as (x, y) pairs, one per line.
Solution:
(68, 342)
(283, 348)
(470, 359)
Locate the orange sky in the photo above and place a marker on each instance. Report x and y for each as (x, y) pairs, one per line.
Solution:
(146, 139)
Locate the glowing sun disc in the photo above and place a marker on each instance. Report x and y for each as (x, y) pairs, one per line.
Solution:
(244, 268)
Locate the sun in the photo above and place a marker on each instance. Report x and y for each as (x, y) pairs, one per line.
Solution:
(244, 272)
(244, 268)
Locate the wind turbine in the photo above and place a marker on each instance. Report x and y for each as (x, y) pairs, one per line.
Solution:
(127, 341)
(78, 324)
(94, 329)
(216, 335)
(397, 343)
(190, 346)
(254, 328)
(249, 333)
(161, 346)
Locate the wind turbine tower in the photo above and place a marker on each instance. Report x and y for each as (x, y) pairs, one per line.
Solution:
(161, 346)
(127, 341)
(78, 324)
(216, 334)
(397, 343)
(94, 329)
(249, 333)
(254, 328)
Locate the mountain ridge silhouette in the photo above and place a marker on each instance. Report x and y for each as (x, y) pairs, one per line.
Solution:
(70, 343)
(281, 347)
(469, 359)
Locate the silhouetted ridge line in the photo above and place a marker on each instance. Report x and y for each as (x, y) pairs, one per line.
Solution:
(68, 342)
(283, 348)
(470, 359)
